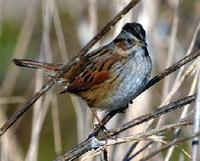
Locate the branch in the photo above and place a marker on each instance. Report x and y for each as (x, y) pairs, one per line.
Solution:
(148, 134)
(155, 114)
(154, 135)
(24, 107)
(92, 142)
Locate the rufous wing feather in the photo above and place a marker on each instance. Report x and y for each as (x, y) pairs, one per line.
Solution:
(86, 80)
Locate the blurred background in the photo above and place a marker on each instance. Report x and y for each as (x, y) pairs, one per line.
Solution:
(54, 31)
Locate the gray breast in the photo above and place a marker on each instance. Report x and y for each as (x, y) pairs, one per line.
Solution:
(133, 78)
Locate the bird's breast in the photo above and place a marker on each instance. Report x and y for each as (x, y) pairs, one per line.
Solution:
(131, 79)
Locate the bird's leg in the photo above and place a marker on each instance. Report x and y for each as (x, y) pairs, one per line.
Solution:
(99, 121)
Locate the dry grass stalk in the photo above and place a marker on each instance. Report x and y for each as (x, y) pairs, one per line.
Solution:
(150, 135)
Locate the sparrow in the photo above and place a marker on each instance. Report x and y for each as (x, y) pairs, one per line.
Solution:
(109, 77)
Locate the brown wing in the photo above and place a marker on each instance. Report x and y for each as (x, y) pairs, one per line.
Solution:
(76, 69)
(93, 74)
(87, 79)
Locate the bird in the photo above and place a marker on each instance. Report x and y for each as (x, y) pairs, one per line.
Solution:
(108, 78)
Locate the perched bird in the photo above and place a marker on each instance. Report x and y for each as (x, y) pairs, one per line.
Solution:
(109, 77)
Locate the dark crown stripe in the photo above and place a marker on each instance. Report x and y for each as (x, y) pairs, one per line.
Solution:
(135, 29)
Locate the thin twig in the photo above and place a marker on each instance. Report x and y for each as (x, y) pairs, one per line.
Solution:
(173, 68)
(139, 151)
(168, 146)
(177, 84)
(130, 150)
(150, 134)
(155, 114)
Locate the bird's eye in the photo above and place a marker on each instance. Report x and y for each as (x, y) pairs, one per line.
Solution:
(129, 41)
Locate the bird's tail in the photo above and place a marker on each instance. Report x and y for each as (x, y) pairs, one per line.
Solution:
(48, 69)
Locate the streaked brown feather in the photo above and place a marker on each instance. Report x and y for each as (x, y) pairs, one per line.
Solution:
(93, 74)
(84, 82)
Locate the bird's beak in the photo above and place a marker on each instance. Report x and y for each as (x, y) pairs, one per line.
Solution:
(141, 43)
(144, 44)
